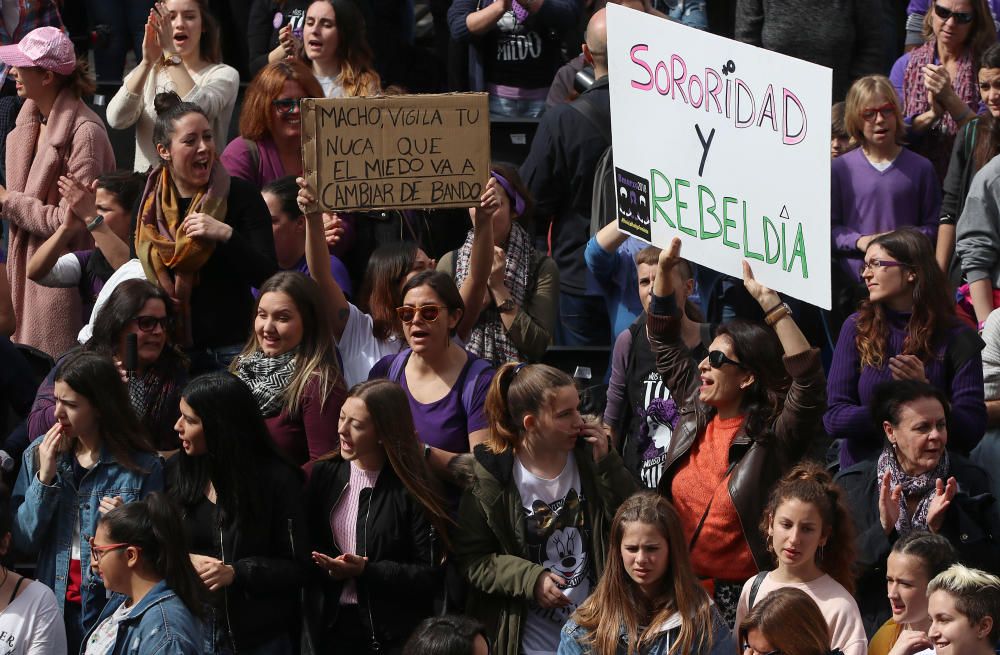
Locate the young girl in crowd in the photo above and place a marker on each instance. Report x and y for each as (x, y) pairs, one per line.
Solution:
(56, 134)
(138, 550)
(649, 599)
(964, 605)
(95, 458)
(786, 622)
(905, 329)
(810, 533)
(915, 560)
(746, 415)
(535, 520)
(180, 53)
(518, 319)
(136, 309)
(270, 142)
(334, 43)
(379, 581)
(242, 508)
(446, 385)
(290, 365)
(202, 236)
(880, 185)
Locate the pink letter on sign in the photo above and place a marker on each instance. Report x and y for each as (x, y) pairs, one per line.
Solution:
(792, 139)
(642, 86)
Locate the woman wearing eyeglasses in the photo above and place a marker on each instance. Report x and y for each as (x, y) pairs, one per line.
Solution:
(937, 81)
(905, 330)
(135, 309)
(290, 364)
(269, 145)
(746, 414)
(785, 622)
(157, 600)
(95, 458)
(879, 186)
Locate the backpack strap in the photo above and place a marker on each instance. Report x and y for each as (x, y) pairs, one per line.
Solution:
(755, 587)
(396, 367)
(476, 368)
(583, 106)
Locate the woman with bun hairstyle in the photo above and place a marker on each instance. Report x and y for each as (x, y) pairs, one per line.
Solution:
(377, 516)
(95, 458)
(290, 365)
(786, 621)
(180, 53)
(535, 518)
(55, 134)
(335, 45)
(648, 600)
(964, 605)
(156, 602)
(915, 560)
(204, 237)
(810, 533)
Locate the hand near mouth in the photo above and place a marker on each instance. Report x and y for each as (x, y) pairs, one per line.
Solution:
(910, 642)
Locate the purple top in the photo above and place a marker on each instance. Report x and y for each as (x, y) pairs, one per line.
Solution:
(238, 161)
(850, 388)
(868, 201)
(444, 424)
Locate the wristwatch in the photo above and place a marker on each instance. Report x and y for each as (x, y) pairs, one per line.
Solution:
(506, 306)
(95, 222)
(171, 60)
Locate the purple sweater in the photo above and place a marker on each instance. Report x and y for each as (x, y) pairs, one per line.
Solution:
(868, 201)
(850, 389)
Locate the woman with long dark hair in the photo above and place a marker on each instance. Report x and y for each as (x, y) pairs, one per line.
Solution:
(334, 43)
(747, 414)
(138, 550)
(649, 600)
(377, 518)
(95, 458)
(905, 329)
(242, 507)
(135, 310)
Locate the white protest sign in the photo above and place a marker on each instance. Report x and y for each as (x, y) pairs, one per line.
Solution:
(724, 145)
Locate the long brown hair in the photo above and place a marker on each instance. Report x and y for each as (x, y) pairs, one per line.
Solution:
(811, 483)
(618, 601)
(357, 73)
(392, 420)
(516, 391)
(791, 622)
(381, 291)
(987, 128)
(933, 308)
(255, 117)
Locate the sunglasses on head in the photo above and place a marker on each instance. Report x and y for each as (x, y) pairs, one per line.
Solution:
(286, 105)
(961, 17)
(887, 110)
(718, 359)
(428, 313)
(149, 323)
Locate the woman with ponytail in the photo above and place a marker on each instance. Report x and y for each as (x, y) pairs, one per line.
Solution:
(810, 534)
(648, 600)
(378, 582)
(138, 550)
(535, 519)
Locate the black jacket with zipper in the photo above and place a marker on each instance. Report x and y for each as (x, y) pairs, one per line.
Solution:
(402, 577)
(269, 554)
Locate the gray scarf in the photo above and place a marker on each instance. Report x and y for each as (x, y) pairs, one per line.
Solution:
(268, 378)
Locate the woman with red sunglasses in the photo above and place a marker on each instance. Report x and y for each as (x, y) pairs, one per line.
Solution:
(746, 414)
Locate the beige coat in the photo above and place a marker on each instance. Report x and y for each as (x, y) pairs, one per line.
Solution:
(75, 143)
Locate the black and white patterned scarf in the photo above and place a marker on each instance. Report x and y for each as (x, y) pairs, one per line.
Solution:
(489, 338)
(268, 378)
(920, 486)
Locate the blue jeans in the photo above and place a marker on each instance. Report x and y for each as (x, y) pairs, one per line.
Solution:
(687, 12)
(125, 20)
(583, 320)
(516, 108)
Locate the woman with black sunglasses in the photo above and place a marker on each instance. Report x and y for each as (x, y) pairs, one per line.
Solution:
(746, 414)
(139, 311)
(937, 81)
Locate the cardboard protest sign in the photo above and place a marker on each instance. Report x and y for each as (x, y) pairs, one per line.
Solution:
(397, 151)
(724, 145)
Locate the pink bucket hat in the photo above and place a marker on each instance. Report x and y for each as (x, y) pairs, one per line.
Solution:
(45, 47)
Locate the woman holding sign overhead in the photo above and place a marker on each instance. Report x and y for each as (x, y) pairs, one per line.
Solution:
(747, 413)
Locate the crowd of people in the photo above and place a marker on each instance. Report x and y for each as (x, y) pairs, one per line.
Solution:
(237, 423)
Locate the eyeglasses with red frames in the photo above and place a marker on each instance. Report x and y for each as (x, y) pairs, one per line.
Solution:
(428, 313)
(97, 552)
(869, 113)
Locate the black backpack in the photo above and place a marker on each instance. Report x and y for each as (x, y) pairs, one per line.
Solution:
(603, 209)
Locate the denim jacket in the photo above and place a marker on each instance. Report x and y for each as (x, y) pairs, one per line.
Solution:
(160, 623)
(44, 517)
(722, 638)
